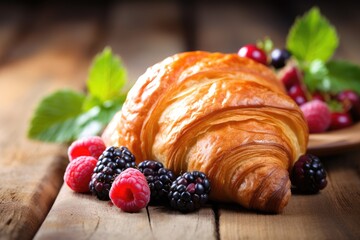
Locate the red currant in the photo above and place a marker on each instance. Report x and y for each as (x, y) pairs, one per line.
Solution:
(253, 52)
(340, 120)
(290, 76)
(318, 96)
(351, 102)
(297, 93)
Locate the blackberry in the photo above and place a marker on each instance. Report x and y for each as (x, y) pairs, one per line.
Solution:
(308, 174)
(189, 191)
(159, 179)
(111, 163)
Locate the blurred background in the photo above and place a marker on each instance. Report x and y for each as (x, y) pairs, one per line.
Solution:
(59, 38)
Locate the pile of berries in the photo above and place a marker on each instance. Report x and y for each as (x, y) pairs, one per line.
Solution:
(111, 174)
(323, 111)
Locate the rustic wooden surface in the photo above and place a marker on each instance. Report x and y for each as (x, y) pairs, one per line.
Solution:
(48, 46)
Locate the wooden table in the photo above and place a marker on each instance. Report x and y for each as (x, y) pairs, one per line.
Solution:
(45, 47)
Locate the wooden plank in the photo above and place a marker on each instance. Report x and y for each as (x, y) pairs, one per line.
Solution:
(69, 218)
(332, 214)
(82, 216)
(197, 225)
(31, 173)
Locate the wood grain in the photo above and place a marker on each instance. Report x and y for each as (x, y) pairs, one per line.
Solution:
(82, 216)
(197, 225)
(320, 216)
(52, 49)
(31, 173)
(334, 213)
(68, 217)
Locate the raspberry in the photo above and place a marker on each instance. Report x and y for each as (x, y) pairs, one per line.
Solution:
(78, 173)
(111, 163)
(189, 192)
(308, 174)
(317, 115)
(159, 179)
(87, 146)
(130, 191)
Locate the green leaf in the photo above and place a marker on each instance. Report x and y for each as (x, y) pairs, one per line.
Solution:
(93, 121)
(67, 115)
(316, 76)
(59, 117)
(312, 37)
(90, 102)
(107, 76)
(343, 75)
(55, 117)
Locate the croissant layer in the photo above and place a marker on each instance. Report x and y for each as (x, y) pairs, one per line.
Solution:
(221, 114)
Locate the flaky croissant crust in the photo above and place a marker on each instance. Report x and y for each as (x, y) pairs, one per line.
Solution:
(221, 114)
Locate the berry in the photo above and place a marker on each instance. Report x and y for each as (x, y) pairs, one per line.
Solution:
(87, 146)
(279, 57)
(308, 174)
(317, 115)
(297, 93)
(319, 96)
(159, 179)
(253, 52)
(130, 191)
(340, 120)
(111, 163)
(290, 76)
(78, 173)
(189, 191)
(351, 102)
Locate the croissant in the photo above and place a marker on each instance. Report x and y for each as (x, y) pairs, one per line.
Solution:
(221, 114)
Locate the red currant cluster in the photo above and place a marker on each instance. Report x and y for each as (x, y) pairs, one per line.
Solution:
(347, 102)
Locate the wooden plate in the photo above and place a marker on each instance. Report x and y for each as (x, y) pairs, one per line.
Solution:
(335, 142)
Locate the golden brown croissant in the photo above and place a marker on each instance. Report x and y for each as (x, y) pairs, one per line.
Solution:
(221, 114)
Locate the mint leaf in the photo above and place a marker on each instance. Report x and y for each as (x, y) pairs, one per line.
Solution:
(312, 37)
(343, 75)
(107, 76)
(67, 115)
(90, 102)
(55, 117)
(333, 76)
(60, 117)
(93, 121)
(316, 76)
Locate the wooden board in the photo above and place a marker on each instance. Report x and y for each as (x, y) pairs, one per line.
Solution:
(68, 218)
(334, 213)
(32, 172)
(83, 216)
(54, 51)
